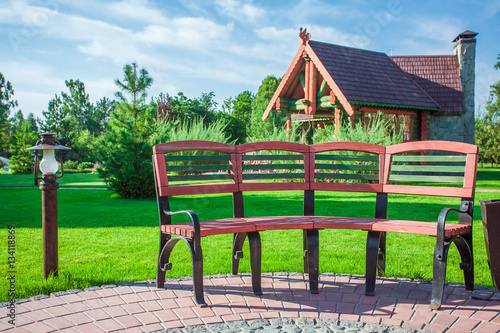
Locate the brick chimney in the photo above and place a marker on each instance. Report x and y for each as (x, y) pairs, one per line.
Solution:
(465, 50)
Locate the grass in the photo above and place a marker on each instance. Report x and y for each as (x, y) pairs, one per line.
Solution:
(69, 180)
(104, 239)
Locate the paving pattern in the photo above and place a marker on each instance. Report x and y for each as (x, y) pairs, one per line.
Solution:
(400, 305)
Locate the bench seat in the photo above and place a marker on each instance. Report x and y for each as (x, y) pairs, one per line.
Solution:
(332, 222)
(420, 228)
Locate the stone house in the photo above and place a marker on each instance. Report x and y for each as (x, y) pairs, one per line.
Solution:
(426, 97)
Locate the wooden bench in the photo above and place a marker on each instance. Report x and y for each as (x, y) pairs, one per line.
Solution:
(202, 167)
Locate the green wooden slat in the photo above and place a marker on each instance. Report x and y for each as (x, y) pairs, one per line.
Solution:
(433, 179)
(429, 158)
(331, 157)
(197, 158)
(346, 167)
(205, 167)
(346, 176)
(271, 157)
(428, 168)
(200, 177)
(247, 176)
(272, 166)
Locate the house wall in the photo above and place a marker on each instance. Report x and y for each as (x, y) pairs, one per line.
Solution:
(459, 127)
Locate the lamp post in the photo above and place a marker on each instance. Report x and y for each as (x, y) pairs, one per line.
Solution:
(49, 166)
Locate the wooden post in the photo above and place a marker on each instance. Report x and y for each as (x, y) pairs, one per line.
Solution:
(306, 86)
(423, 125)
(312, 87)
(49, 187)
(337, 120)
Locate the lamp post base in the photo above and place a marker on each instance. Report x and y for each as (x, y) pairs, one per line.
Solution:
(49, 187)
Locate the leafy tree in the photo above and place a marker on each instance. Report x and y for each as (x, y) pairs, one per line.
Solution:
(6, 104)
(487, 128)
(54, 116)
(242, 107)
(23, 137)
(134, 85)
(262, 98)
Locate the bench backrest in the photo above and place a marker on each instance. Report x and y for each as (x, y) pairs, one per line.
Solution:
(434, 168)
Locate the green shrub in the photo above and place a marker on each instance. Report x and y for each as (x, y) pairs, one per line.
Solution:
(85, 165)
(70, 165)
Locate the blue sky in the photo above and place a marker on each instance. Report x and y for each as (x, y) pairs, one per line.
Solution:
(224, 46)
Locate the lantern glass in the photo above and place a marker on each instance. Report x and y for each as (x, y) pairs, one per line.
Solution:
(49, 165)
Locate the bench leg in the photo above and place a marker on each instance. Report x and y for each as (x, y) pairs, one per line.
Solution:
(238, 240)
(375, 260)
(313, 259)
(464, 246)
(162, 261)
(304, 251)
(439, 274)
(255, 261)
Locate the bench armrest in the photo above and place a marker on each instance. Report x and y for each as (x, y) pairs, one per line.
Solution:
(196, 226)
(439, 249)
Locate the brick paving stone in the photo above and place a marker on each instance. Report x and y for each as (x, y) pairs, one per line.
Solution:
(113, 300)
(329, 315)
(487, 328)
(288, 314)
(168, 303)
(412, 324)
(423, 316)
(150, 306)
(152, 328)
(192, 322)
(309, 314)
(149, 296)
(185, 302)
(132, 308)
(123, 290)
(185, 313)
(391, 322)
(92, 294)
(257, 306)
(400, 293)
(348, 316)
(364, 309)
(328, 306)
(222, 310)
(79, 318)
(68, 330)
(212, 320)
(54, 301)
(22, 320)
(231, 317)
(77, 307)
(273, 305)
(132, 330)
(147, 318)
(444, 319)
(89, 328)
(345, 308)
(309, 306)
(128, 321)
(96, 303)
(132, 298)
(350, 298)
(39, 327)
(109, 325)
(291, 306)
(405, 303)
(466, 324)
(38, 315)
(107, 292)
(35, 305)
(173, 324)
(57, 311)
(250, 316)
(166, 315)
(417, 294)
(240, 307)
(370, 319)
(72, 298)
(162, 293)
(218, 299)
(115, 311)
(435, 328)
(461, 312)
(484, 315)
(402, 313)
(334, 297)
(97, 314)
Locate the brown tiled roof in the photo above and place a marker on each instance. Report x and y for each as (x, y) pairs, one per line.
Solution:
(439, 76)
(370, 77)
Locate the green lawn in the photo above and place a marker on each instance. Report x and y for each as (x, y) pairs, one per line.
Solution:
(104, 239)
(69, 180)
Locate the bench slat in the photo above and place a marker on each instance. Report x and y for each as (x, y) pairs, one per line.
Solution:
(428, 158)
(197, 158)
(203, 167)
(331, 157)
(200, 177)
(249, 176)
(272, 166)
(347, 167)
(420, 228)
(323, 175)
(421, 178)
(428, 168)
(259, 157)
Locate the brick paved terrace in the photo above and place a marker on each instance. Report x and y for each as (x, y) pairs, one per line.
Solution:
(141, 307)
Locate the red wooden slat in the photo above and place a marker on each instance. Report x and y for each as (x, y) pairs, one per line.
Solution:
(161, 173)
(347, 146)
(198, 189)
(283, 223)
(346, 187)
(430, 191)
(176, 146)
(470, 171)
(420, 228)
(274, 186)
(329, 222)
(448, 146)
(272, 145)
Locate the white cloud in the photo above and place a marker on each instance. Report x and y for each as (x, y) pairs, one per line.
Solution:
(240, 11)
(139, 10)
